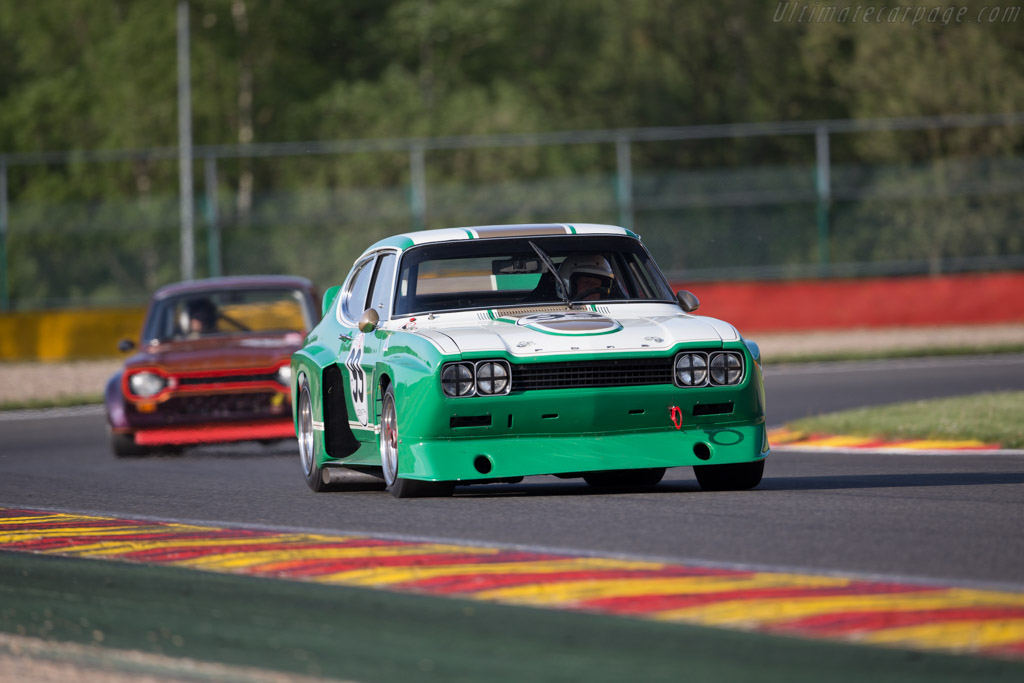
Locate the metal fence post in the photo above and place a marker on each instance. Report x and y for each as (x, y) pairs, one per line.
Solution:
(212, 215)
(185, 146)
(624, 182)
(823, 185)
(5, 298)
(418, 189)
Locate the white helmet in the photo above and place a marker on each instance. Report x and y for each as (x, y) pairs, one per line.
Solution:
(589, 264)
(592, 264)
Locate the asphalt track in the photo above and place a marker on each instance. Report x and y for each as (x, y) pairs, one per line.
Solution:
(953, 519)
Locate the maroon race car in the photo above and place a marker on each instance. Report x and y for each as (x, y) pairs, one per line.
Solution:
(212, 364)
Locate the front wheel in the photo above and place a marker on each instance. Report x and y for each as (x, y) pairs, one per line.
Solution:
(399, 487)
(313, 473)
(734, 477)
(124, 446)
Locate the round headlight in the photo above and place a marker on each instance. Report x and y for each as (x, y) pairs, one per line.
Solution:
(491, 378)
(457, 380)
(691, 369)
(726, 368)
(146, 384)
(284, 374)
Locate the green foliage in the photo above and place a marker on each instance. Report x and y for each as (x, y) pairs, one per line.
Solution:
(81, 75)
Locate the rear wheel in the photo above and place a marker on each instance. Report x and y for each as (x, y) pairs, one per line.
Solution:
(735, 477)
(625, 479)
(313, 473)
(399, 487)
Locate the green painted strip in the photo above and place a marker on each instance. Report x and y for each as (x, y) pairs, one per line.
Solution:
(469, 233)
(581, 334)
(378, 636)
(572, 229)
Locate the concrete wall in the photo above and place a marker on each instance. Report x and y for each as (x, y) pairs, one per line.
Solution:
(774, 306)
(788, 306)
(68, 334)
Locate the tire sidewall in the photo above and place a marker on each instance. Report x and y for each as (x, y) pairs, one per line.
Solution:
(314, 477)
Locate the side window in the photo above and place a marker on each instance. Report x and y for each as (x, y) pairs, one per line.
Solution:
(380, 300)
(358, 286)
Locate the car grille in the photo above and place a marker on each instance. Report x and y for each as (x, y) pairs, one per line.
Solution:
(227, 379)
(186, 409)
(597, 373)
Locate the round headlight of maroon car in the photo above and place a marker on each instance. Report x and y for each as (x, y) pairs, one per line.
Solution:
(457, 380)
(146, 384)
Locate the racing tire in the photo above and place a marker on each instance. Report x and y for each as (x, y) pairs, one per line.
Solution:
(124, 446)
(734, 477)
(313, 473)
(389, 454)
(625, 479)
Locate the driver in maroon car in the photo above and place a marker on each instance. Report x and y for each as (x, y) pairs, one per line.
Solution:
(202, 317)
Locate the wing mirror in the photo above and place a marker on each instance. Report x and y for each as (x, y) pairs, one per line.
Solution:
(329, 296)
(688, 301)
(125, 345)
(369, 321)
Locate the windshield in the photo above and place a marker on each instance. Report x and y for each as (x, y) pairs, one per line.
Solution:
(211, 313)
(512, 272)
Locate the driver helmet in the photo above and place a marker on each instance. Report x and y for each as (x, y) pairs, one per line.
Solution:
(203, 311)
(594, 265)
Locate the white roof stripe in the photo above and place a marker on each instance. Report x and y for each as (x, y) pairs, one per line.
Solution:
(442, 235)
(466, 233)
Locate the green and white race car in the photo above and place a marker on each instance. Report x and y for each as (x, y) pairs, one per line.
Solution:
(474, 355)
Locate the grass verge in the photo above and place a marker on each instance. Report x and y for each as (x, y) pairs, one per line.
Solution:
(55, 402)
(829, 356)
(993, 417)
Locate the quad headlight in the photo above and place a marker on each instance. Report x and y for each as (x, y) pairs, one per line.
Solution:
(726, 368)
(146, 384)
(484, 378)
(691, 369)
(492, 378)
(457, 380)
(699, 369)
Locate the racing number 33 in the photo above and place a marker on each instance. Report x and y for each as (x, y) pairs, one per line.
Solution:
(357, 379)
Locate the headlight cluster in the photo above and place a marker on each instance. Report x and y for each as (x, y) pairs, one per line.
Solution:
(483, 378)
(284, 375)
(146, 384)
(698, 369)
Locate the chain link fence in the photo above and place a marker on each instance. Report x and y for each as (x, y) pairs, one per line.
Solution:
(785, 200)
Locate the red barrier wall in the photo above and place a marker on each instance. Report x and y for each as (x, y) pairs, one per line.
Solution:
(876, 302)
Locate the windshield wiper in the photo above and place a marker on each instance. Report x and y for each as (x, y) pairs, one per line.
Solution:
(559, 285)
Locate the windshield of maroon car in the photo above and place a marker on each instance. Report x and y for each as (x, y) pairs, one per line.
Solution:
(510, 272)
(226, 312)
